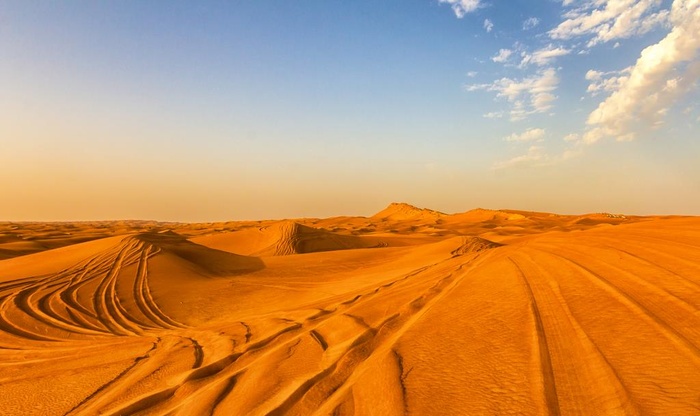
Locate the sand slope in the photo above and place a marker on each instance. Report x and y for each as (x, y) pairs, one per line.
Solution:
(281, 239)
(590, 315)
(398, 211)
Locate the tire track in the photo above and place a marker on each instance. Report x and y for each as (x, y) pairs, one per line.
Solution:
(650, 294)
(52, 302)
(144, 298)
(105, 303)
(392, 329)
(39, 312)
(319, 338)
(676, 259)
(7, 326)
(113, 381)
(202, 378)
(118, 398)
(198, 353)
(692, 285)
(633, 304)
(235, 364)
(550, 386)
(227, 389)
(45, 298)
(611, 395)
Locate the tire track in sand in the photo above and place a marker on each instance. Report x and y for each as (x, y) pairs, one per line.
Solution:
(569, 343)
(143, 296)
(105, 302)
(549, 382)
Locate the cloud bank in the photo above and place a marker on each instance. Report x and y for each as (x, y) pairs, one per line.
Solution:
(607, 20)
(663, 73)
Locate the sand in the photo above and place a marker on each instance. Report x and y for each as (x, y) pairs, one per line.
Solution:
(409, 311)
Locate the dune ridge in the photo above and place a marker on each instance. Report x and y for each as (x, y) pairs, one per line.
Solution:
(281, 239)
(404, 211)
(474, 245)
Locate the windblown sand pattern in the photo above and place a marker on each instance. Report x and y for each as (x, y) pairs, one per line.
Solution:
(410, 311)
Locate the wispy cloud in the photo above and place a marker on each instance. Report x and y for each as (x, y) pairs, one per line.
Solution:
(606, 20)
(494, 115)
(537, 157)
(529, 135)
(462, 7)
(527, 96)
(502, 56)
(606, 81)
(544, 56)
(663, 73)
(488, 25)
(530, 23)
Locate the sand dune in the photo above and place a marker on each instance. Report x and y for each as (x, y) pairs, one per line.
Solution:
(401, 211)
(281, 239)
(477, 313)
(480, 215)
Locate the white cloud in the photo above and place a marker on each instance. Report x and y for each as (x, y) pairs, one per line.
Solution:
(502, 55)
(607, 20)
(606, 81)
(529, 135)
(527, 96)
(462, 7)
(494, 114)
(472, 74)
(663, 73)
(530, 23)
(543, 56)
(488, 25)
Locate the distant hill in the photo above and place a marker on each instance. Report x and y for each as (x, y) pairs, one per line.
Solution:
(399, 211)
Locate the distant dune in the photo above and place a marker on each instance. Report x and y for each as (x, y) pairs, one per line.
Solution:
(479, 215)
(399, 211)
(409, 311)
(281, 239)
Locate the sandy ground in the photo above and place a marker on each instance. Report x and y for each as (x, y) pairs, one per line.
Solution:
(410, 311)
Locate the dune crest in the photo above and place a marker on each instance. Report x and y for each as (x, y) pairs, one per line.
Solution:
(481, 214)
(398, 211)
(281, 238)
(474, 245)
(290, 237)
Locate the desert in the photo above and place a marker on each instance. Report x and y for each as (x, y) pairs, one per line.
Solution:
(371, 208)
(408, 311)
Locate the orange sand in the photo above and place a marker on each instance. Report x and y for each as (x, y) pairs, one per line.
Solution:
(410, 311)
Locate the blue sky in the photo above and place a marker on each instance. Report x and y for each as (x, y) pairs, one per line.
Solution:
(251, 109)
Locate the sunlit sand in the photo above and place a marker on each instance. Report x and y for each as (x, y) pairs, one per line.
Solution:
(409, 311)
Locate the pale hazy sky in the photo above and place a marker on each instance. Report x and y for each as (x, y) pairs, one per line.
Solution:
(219, 110)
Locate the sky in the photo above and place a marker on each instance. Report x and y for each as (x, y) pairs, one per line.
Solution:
(220, 110)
